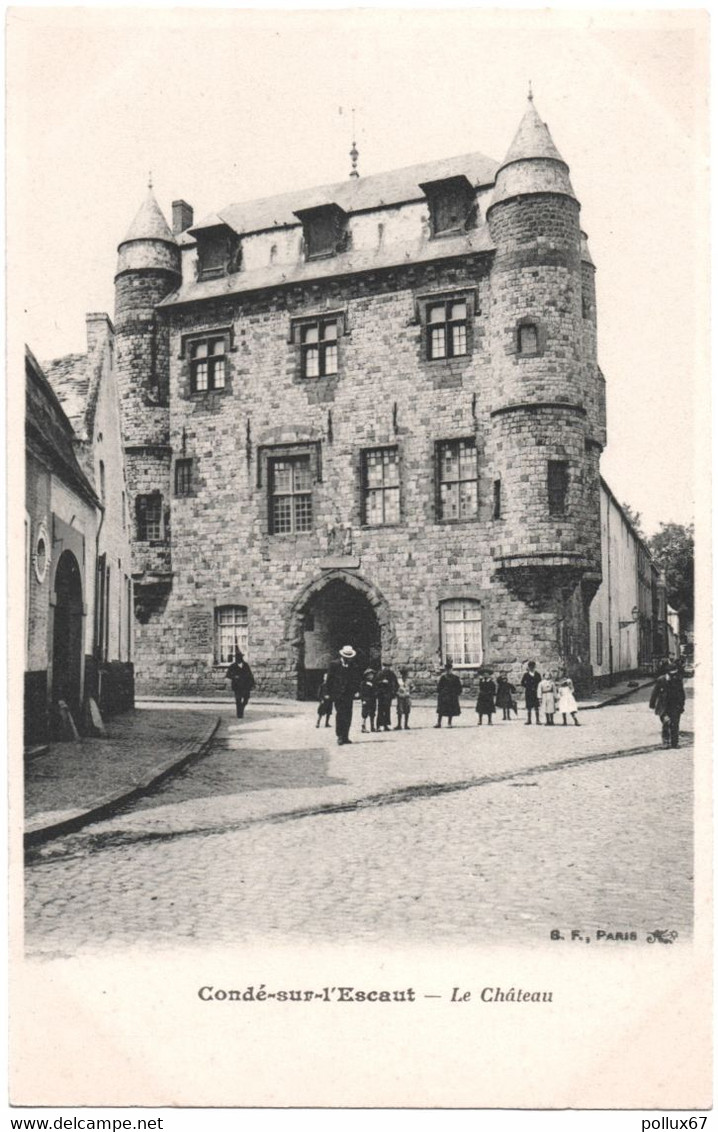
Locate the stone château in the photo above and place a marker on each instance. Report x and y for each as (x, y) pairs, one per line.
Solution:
(366, 413)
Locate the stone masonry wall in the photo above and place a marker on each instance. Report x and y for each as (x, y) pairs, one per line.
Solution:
(386, 394)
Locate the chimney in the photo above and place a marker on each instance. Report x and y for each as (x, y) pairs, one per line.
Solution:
(99, 330)
(182, 216)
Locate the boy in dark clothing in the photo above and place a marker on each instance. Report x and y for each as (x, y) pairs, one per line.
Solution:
(324, 711)
(530, 682)
(367, 695)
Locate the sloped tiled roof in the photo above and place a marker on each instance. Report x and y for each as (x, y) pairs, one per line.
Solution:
(70, 380)
(355, 194)
(49, 432)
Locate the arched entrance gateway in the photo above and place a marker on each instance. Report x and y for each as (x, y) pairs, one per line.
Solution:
(67, 636)
(338, 610)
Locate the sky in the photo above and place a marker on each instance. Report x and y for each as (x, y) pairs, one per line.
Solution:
(228, 105)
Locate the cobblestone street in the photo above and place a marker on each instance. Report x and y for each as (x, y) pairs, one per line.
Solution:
(495, 835)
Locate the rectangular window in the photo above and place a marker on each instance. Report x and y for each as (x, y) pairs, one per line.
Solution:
(497, 499)
(320, 354)
(231, 632)
(461, 633)
(207, 364)
(599, 643)
(149, 518)
(290, 509)
(458, 479)
(380, 486)
(528, 339)
(446, 332)
(557, 487)
(183, 477)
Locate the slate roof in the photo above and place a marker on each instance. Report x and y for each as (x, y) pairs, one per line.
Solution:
(355, 194)
(49, 433)
(70, 381)
(149, 223)
(532, 139)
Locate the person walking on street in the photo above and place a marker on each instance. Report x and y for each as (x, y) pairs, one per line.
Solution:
(530, 682)
(668, 700)
(566, 699)
(486, 701)
(367, 695)
(324, 711)
(547, 695)
(242, 682)
(343, 679)
(505, 695)
(448, 691)
(403, 699)
(386, 686)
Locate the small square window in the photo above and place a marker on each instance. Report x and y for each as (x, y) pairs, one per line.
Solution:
(183, 477)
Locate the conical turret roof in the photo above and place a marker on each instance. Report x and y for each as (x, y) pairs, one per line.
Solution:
(149, 223)
(532, 164)
(532, 139)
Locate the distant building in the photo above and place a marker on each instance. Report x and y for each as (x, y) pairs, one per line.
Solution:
(628, 619)
(368, 413)
(78, 607)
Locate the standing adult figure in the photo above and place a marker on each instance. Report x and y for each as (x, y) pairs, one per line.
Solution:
(668, 700)
(386, 687)
(486, 701)
(242, 682)
(530, 682)
(505, 695)
(448, 692)
(343, 679)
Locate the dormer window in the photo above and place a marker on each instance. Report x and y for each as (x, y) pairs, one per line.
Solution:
(452, 205)
(324, 230)
(218, 251)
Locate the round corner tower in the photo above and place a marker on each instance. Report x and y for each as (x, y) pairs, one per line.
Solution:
(148, 269)
(547, 415)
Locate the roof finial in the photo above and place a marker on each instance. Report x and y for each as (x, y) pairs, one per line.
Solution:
(354, 152)
(531, 93)
(149, 181)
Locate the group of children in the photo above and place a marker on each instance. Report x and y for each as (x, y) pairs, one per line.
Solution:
(551, 693)
(376, 692)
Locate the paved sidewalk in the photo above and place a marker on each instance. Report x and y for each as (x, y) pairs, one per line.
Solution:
(75, 783)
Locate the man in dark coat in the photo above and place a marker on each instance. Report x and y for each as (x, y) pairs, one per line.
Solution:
(530, 682)
(386, 686)
(242, 680)
(668, 699)
(448, 691)
(343, 680)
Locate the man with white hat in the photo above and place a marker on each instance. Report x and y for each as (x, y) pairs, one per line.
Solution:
(343, 679)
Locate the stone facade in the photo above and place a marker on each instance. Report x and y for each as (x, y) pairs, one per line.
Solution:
(432, 490)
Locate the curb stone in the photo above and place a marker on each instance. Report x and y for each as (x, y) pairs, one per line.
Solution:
(46, 826)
